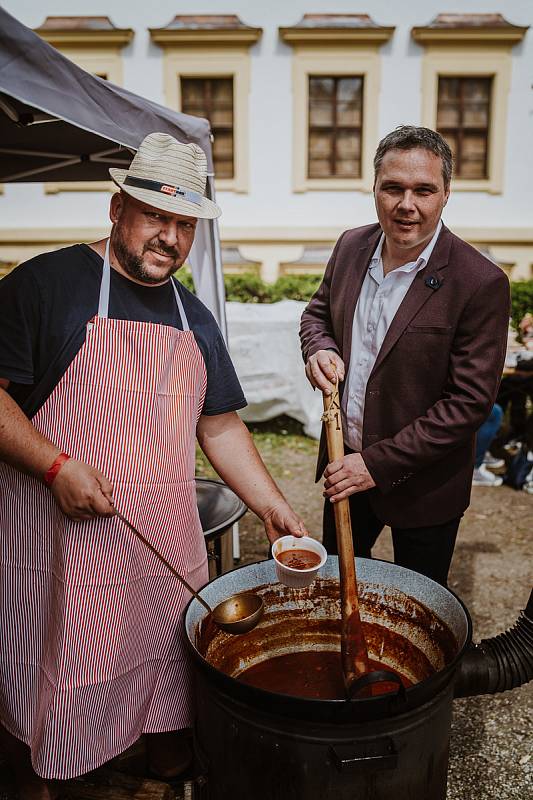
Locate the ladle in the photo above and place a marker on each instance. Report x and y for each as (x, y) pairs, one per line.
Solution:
(238, 614)
(353, 646)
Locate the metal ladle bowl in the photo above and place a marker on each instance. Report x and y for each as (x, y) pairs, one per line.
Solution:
(239, 613)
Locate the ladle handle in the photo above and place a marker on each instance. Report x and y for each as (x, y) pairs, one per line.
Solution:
(163, 560)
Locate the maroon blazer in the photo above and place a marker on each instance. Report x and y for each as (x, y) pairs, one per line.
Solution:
(435, 378)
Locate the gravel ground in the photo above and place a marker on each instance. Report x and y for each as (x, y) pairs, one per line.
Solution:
(491, 755)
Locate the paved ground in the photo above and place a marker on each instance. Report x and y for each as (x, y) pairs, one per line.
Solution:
(491, 751)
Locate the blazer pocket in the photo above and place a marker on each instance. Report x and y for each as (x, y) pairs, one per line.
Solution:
(443, 330)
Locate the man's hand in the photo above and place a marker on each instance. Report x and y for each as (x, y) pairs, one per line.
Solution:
(282, 521)
(321, 369)
(82, 492)
(347, 476)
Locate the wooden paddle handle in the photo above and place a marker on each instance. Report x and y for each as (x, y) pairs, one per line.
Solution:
(353, 645)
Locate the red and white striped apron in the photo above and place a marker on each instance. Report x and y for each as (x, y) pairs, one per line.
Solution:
(93, 653)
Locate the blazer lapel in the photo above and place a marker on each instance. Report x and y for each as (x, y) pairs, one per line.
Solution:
(362, 263)
(418, 294)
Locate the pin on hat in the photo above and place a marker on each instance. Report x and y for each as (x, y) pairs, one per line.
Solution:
(168, 175)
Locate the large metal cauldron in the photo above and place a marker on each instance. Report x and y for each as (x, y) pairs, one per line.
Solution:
(257, 744)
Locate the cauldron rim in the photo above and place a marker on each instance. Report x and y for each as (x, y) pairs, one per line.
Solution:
(381, 705)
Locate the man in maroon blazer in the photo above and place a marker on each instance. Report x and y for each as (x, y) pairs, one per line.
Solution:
(414, 322)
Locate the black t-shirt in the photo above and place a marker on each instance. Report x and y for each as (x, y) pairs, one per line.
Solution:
(45, 305)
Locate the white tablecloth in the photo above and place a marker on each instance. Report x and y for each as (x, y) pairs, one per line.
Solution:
(265, 349)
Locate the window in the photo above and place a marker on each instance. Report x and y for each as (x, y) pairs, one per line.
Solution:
(336, 75)
(463, 118)
(466, 77)
(335, 127)
(206, 67)
(212, 98)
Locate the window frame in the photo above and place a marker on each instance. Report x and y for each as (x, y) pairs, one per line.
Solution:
(208, 101)
(209, 62)
(339, 61)
(480, 62)
(460, 131)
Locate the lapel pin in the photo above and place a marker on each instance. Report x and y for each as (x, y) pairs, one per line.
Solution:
(432, 282)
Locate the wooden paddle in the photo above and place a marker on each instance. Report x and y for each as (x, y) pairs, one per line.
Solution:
(353, 645)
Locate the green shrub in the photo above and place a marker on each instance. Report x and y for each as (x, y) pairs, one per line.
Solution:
(521, 300)
(295, 287)
(248, 287)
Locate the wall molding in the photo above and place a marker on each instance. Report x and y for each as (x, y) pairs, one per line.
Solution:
(492, 235)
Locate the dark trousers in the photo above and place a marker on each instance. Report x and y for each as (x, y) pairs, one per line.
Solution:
(428, 550)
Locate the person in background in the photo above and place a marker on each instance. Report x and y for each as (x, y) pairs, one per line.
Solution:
(484, 459)
(526, 330)
(516, 389)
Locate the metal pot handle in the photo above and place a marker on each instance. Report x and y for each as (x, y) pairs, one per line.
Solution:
(378, 676)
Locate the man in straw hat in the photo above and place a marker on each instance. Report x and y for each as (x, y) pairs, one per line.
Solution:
(110, 370)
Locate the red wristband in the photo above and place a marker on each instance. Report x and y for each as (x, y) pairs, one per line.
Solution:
(51, 474)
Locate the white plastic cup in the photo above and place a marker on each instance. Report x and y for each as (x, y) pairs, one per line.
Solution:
(297, 578)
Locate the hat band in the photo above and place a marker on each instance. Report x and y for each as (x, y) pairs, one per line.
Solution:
(165, 188)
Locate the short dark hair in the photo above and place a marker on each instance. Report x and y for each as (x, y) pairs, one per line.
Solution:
(407, 137)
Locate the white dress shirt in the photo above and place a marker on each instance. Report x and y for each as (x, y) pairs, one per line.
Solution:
(377, 305)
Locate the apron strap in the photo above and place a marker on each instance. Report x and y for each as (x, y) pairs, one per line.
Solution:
(105, 285)
(181, 310)
(103, 300)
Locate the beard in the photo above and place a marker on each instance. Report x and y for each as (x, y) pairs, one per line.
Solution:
(134, 264)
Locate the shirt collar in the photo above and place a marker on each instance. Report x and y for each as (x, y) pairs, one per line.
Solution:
(420, 262)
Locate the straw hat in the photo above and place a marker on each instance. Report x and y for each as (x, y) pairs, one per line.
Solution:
(169, 175)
